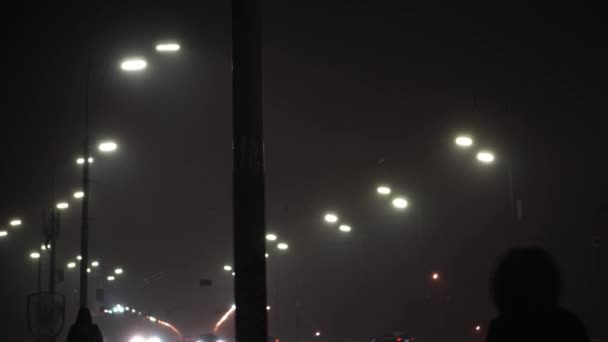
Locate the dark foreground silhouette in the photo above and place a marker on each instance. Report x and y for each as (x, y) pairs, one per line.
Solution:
(84, 330)
(526, 289)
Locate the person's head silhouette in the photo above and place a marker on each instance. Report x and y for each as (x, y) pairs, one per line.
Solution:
(527, 280)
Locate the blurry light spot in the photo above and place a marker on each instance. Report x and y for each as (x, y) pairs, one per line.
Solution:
(331, 218)
(271, 237)
(227, 268)
(133, 64)
(345, 228)
(78, 194)
(3, 233)
(108, 146)
(63, 205)
(463, 141)
(485, 157)
(15, 222)
(95, 263)
(118, 271)
(34, 255)
(400, 203)
(384, 190)
(167, 47)
(111, 278)
(282, 246)
(71, 264)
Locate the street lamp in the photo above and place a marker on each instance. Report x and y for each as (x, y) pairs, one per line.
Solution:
(107, 146)
(15, 222)
(485, 157)
(111, 278)
(282, 246)
(34, 255)
(345, 228)
(435, 276)
(95, 264)
(118, 271)
(78, 194)
(227, 268)
(80, 160)
(78, 257)
(271, 237)
(167, 47)
(71, 264)
(63, 205)
(400, 203)
(331, 218)
(133, 64)
(384, 190)
(318, 333)
(3, 233)
(464, 141)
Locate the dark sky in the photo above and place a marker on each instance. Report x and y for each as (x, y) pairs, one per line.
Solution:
(346, 85)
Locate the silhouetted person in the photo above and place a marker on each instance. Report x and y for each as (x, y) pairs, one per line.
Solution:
(84, 330)
(526, 289)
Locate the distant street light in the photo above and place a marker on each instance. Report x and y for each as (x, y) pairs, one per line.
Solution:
(34, 255)
(318, 333)
(43, 247)
(485, 157)
(107, 146)
(168, 47)
(400, 203)
(331, 218)
(384, 190)
(435, 276)
(71, 264)
(3, 233)
(111, 278)
(118, 271)
(478, 328)
(227, 268)
(267, 255)
(271, 237)
(88, 270)
(78, 194)
(133, 64)
(95, 264)
(80, 160)
(282, 246)
(345, 228)
(63, 205)
(464, 141)
(152, 319)
(15, 222)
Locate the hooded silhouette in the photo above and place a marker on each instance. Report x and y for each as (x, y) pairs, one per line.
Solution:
(526, 289)
(84, 330)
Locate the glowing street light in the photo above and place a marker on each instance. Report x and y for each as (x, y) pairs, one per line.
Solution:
(15, 222)
(95, 263)
(111, 278)
(34, 255)
(485, 157)
(227, 268)
(271, 237)
(478, 328)
(88, 270)
(78, 257)
(43, 247)
(344, 228)
(266, 255)
(384, 190)
(71, 264)
(331, 218)
(118, 271)
(107, 146)
(318, 333)
(78, 194)
(267, 307)
(435, 276)
(282, 246)
(152, 319)
(400, 203)
(168, 47)
(3, 233)
(133, 64)
(464, 141)
(80, 160)
(63, 205)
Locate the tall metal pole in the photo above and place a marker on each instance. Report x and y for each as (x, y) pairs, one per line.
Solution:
(248, 173)
(84, 228)
(55, 217)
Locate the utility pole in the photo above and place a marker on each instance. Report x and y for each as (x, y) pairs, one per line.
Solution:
(248, 173)
(84, 228)
(52, 240)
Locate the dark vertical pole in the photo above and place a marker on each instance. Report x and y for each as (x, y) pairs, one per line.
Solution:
(52, 253)
(84, 228)
(248, 173)
(40, 273)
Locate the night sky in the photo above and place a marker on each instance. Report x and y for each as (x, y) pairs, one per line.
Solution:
(356, 94)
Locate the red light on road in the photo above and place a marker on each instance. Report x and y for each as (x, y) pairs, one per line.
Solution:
(399, 339)
(277, 340)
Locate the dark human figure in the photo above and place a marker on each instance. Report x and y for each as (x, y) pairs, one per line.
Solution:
(84, 330)
(526, 289)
